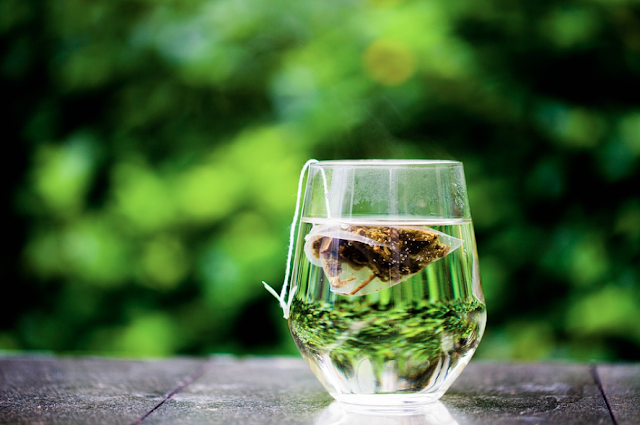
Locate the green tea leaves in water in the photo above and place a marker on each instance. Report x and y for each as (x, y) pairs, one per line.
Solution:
(415, 342)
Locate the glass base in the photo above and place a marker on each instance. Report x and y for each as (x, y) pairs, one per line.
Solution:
(387, 404)
(433, 413)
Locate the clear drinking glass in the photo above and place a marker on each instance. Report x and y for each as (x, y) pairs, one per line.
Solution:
(387, 305)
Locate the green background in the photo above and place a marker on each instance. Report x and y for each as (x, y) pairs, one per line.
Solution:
(152, 153)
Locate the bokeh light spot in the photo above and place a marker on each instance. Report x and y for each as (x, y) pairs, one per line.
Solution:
(389, 63)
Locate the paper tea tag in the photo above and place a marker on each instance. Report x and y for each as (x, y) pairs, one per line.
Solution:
(360, 260)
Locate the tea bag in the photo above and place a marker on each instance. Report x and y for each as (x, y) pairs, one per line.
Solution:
(362, 259)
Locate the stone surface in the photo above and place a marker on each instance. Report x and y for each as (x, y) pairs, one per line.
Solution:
(488, 393)
(281, 390)
(621, 386)
(248, 391)
(54, 390)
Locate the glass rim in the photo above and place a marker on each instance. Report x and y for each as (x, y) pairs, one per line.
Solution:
(385, 162)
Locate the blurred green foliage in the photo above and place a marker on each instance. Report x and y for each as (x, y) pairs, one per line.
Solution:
(153, 152)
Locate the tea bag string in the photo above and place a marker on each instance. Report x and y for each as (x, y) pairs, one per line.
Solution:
(286, 305)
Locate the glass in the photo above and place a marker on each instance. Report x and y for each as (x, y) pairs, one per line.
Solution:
(433, 414)
(386, 305)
